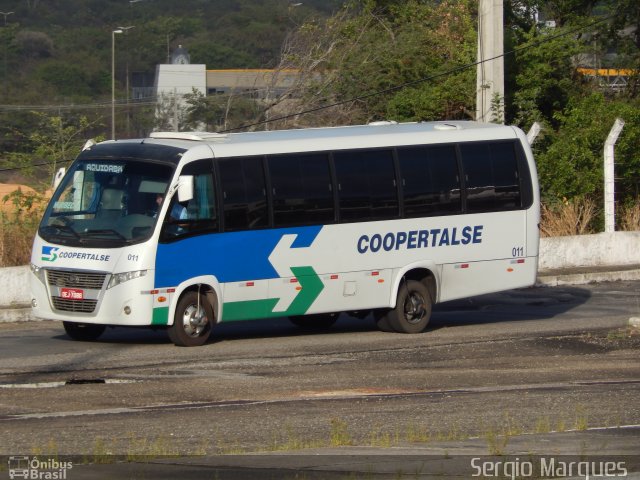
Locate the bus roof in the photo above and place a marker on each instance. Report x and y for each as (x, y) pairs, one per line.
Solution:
(378, 134)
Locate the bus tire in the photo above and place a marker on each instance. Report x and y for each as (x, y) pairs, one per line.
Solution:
(191, 327)
(87, 332)
(413, 308)
(317, 322)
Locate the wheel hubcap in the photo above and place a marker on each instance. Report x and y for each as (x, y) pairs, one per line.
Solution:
(414, 308)
(194, 320)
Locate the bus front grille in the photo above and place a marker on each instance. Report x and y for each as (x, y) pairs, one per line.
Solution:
(79, 306)
(90, 283)
(75, 279)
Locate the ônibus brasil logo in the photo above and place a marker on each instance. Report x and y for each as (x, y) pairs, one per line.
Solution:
(49, 254)
(37, 469)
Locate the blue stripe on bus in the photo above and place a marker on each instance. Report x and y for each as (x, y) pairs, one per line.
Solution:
(230, 257)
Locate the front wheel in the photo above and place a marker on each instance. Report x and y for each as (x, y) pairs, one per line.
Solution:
(413, 308)
(83, 331)
(192, 322)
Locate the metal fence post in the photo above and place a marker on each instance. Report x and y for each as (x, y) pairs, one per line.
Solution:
(609, 181)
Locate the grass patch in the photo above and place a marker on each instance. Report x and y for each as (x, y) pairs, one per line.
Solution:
(568, 217)
(339, 435)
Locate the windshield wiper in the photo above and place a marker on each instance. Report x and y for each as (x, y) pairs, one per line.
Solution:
(58, 229)
(106, 231)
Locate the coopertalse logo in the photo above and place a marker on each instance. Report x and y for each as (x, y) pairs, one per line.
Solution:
(49, 254)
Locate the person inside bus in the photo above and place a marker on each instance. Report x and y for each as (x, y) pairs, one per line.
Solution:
(178, 212)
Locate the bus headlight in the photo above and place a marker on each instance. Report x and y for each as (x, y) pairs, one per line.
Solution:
(38, 272)
(118, 278)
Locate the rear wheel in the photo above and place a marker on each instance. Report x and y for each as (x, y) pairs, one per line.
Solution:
(83, 331)
(413, 308)
(192, 322)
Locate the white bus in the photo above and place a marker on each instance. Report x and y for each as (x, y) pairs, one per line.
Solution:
(186, 230)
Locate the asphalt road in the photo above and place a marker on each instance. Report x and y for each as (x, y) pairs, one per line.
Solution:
(506, 373)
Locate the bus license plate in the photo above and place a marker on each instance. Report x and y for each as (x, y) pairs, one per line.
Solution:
(72, 294)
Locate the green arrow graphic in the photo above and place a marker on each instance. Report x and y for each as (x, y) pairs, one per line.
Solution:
(311, 285)
(311, 288)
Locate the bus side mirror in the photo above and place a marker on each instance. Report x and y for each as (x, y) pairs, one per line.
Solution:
(58, 177)
(185, 188)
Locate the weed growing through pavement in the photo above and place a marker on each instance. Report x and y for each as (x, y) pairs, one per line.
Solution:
(581, 423)
(339, 435)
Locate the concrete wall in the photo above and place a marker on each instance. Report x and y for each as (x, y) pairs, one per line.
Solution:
(619, 249)
(14, 287)
(599, 250)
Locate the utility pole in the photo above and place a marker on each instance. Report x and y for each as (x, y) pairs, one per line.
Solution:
(490, 69)
(113, 78)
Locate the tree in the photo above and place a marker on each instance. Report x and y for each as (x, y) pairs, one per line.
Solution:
(34, 44)
(53, 144)
(368, 51)
(545, 76)
(219, 112)
(572, 165)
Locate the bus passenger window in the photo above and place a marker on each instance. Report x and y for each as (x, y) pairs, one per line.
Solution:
(366, 185)
(491, 172)
(302, 192)
(243, 193)
(430, 181)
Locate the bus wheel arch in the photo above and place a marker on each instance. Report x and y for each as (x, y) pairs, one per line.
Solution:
(194, 316)
(423, 275)
(415, 295)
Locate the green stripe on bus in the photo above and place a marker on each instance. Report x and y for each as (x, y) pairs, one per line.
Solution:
(160, 316)
(311, 285)
(249, 310)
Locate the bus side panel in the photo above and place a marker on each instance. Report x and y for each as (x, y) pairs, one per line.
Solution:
(506, 266)
(461, 280)
(335, 292)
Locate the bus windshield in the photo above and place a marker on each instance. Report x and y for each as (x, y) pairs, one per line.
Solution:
(107, 203)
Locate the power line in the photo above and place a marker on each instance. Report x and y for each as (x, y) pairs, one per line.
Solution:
(146, 101)
(424, 79)
(23, 167)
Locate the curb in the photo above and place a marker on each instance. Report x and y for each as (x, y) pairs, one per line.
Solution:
(17, 313)
(550, 279)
